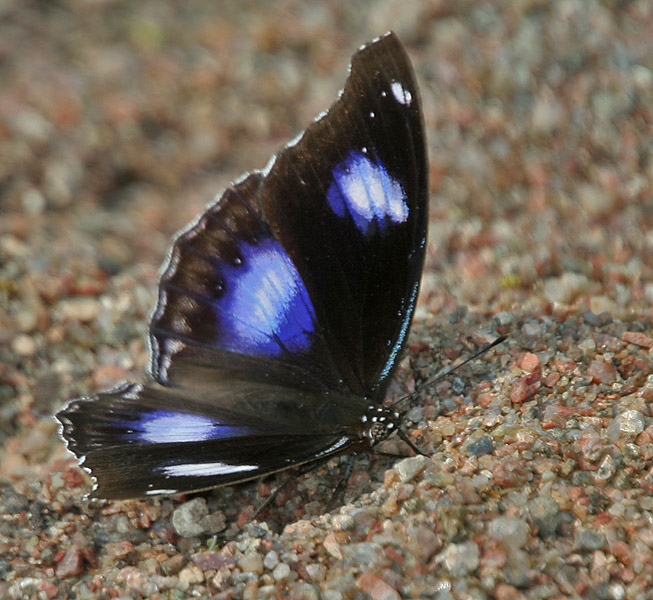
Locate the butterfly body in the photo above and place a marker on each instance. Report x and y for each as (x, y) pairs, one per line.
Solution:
(282, 310)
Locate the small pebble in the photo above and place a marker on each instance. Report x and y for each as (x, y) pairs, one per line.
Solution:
(24, 345)
(529, 362)
(187, 518)
(408, 468)
(483, 445)
(628, 424)
(586, 539)
(601, 371)
(461, 559)
(191, 574)
(639, 339)
(332, 546)
(316, 571)
(513, 532)
(566, 288)
(376, 588)
(79, 309)
(546, 515)
(252, 562)
(71, 564)
(281, 571)
(271, 560)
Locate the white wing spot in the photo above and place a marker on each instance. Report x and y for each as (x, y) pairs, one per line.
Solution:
(205, 469)
(401, 94)
(161, 491)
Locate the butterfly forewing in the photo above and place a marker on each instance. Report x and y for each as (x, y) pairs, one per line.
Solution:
(348, 202)
(283, 309)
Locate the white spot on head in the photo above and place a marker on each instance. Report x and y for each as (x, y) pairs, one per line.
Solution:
(372, 115)
(401, 94)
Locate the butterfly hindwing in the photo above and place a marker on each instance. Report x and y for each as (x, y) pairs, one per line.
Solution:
(146, 440)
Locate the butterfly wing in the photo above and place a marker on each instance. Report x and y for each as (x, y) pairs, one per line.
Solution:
(349, 203)
(308, 273)
(147, 440)
(232, 303)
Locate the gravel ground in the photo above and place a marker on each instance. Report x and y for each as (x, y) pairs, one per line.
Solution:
(119, 121)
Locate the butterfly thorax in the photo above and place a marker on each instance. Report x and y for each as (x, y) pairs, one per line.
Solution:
(379, 422)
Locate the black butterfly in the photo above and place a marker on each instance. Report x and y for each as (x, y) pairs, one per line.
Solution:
(283, 309)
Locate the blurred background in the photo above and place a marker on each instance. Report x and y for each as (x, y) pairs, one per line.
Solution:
(120, 121)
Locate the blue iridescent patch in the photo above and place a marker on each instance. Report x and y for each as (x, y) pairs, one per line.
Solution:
(366, 191)
(167, 426)
(266, 309)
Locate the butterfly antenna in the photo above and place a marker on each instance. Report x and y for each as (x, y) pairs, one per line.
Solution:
(449, 371)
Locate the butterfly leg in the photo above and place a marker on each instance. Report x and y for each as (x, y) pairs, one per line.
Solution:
(342, 484)
(406, 439)
(299, 471)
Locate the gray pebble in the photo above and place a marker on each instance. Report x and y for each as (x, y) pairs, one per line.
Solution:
(408, 468)
(513, 532)
(546, 514)
(586, 539)
(187, 518)
(365, 553)
(629, 423)
(271, 560)
(460, 559)
(481, 446)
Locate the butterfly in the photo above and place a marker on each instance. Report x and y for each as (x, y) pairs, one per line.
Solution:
(282, 310)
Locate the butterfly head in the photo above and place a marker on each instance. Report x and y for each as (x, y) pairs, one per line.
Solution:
(379, 422)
